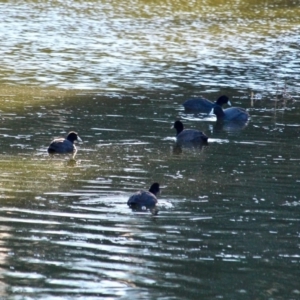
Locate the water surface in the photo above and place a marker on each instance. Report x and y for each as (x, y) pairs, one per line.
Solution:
(152, 45)
(117, 73)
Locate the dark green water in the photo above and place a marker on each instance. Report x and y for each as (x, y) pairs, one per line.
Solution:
(228, 226)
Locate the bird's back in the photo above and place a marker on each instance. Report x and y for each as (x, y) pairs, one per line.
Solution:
(61, 146)
(191, 135)
(200, 104)
(236, 114)
(142, 199)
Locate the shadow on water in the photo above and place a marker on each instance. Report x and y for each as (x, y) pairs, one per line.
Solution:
(230, 126)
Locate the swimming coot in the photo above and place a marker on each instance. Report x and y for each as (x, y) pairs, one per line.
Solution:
(142, 200)
(64, 145)
(237, 114)
(189, 135)
(204, 105)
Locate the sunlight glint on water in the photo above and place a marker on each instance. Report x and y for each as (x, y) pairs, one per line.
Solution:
(117, 73)
(165, 45)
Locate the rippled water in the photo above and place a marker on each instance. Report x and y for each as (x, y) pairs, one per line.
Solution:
(157, 44)
(228, 226)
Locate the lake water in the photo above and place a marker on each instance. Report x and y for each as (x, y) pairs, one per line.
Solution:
(117, 73)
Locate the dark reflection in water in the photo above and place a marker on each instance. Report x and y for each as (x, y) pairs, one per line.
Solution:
(230, 126)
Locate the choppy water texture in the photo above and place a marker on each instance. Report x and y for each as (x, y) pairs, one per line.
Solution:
(156, 44)
(117, 73)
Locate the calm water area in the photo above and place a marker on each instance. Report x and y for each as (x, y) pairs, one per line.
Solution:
(117, 72)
